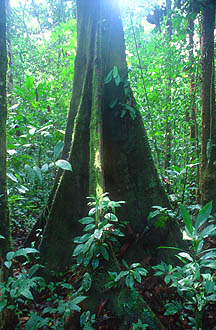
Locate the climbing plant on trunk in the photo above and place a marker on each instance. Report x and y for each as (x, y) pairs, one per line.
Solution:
(208, 148)
(109, 149)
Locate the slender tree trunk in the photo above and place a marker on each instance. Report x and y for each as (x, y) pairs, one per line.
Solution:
(195, 152)
(4, 214)
(109, 148)
(11, 100)
(168, 135)
(208, 148)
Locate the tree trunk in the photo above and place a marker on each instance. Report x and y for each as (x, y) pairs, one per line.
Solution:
(4, 214)
(168, 134)
(109, 146)
(208, 148)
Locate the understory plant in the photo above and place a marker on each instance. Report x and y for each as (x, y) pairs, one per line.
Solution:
(101, 227)
(100, 243)
(195, 278)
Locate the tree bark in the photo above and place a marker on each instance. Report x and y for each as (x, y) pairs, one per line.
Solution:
(208, 148)
(4, 214)
(168, 134)
(109, 149)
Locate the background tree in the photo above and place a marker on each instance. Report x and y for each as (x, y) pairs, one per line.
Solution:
(208, 161)
(4, 214)
(109, 146)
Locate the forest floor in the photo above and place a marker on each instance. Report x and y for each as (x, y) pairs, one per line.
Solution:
(153, 290)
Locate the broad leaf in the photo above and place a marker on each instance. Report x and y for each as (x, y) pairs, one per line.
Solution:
(12, 177)
(37, 170)
(64, 164)
(27, 294)
(117, 80)
(58, 149)
(185, 256)
(86, 220)
(109, 77)
(203, 215)
(115, 72)
(187, 219)
(78, 249)
(104, 252)
(25, 251)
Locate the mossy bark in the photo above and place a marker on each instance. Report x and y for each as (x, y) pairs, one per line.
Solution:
(109, 149)
(208, 148)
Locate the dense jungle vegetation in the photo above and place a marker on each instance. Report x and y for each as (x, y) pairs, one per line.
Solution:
(105, 224)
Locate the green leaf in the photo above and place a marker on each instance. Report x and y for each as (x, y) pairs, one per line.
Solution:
(209, 286)
(115, 72)
(123, 112)
(86, 220)
(8, 264)
(129, 281)
(33, 270)
(98, 233)
(111, 217)
(45, 168)
(10, 255)
(78, 300)
(212, 297)
(142, 271)
(117, 232)
(12, 177)
(25, 251)
(209, 230)
(86, 282)
(88, 244)
(89, 227)
(78, 249)
(37, 170)
(203, 215)
(30, 173)
(137, 276)
(121, 275)
(109, 77)
(135, 265)
(95, 263)
(208, 255)
(81, 239)
(2, 237)
(113, 103)
(104, 252)
(29, 82)
(64, 164)
(27, 294)
(58, 149)
(185, 256)
(167, 279)
(117, 80)
(187, 219)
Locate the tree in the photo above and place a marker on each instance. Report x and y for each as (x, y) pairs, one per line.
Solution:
(109, 150)
(4, 214)
(208, 148)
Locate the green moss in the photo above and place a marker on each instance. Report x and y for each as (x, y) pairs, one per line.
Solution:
(96, 175)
